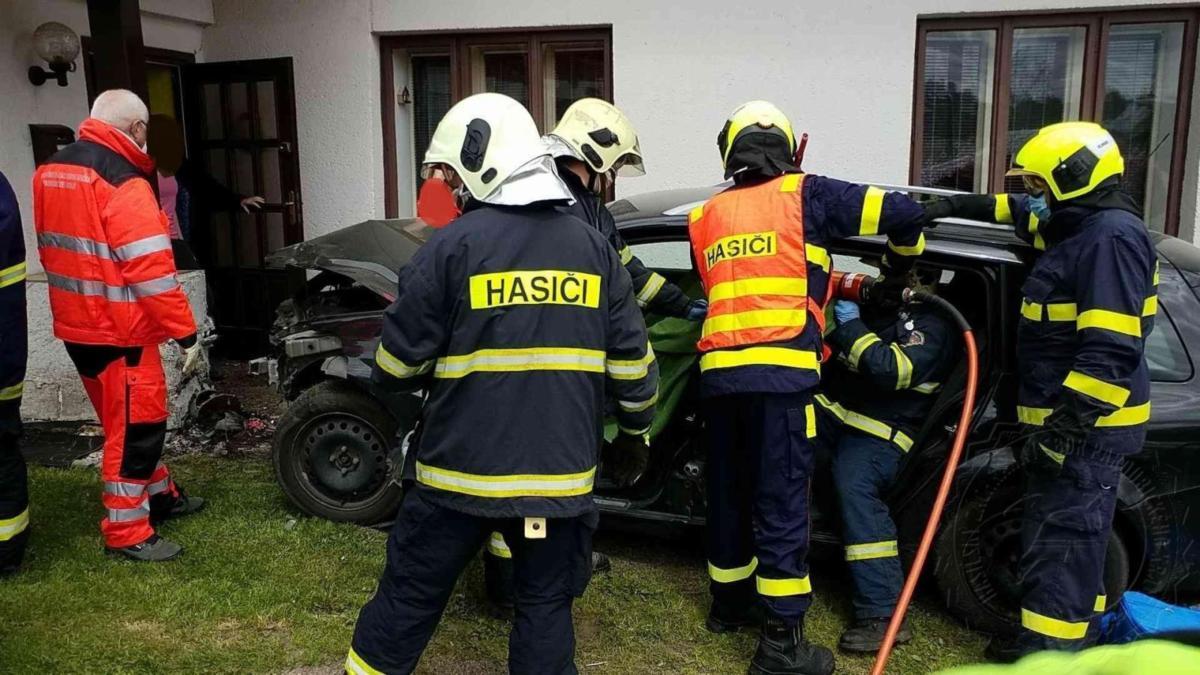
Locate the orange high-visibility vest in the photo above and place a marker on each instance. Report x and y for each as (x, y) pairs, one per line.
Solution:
(749, 248)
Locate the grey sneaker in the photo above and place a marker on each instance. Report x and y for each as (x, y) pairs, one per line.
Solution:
(154, 549)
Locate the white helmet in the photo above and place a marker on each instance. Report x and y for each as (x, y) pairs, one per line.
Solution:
(487, 139)
(599, 135)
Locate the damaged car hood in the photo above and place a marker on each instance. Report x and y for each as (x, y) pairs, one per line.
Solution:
(370, 252)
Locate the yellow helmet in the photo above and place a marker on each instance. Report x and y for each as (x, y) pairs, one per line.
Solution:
(1074, 158)
(753, 118)
(601, 136)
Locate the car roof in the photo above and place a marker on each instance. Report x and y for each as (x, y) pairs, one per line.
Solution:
(952, 236)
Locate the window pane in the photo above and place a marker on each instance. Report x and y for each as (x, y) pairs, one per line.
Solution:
(1046, 85)
(1166, 356)
(501, 71)
(430, 101)
(569, 75)
(958, 109)
(1141, 81)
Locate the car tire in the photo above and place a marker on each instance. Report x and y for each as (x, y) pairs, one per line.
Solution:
(977, 551)
(332, 455)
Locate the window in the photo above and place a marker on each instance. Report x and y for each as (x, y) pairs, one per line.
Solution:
(546, 70)
(985, 85)
(664, 255)
(1166, 357)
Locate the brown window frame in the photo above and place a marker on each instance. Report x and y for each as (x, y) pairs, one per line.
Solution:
(458, 45)
(1097, 24)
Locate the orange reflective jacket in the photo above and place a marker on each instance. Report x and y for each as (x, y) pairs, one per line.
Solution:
(749, 248)
(105, 246)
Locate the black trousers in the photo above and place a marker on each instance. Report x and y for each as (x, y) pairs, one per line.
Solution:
(428, 549)
(14, 504)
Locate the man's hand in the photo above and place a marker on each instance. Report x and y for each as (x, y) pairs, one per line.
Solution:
(845, 311)
(631, 455)
(255, 202)
(697, 310)
(191, 358)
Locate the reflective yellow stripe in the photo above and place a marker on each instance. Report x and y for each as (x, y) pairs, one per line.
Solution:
(11, 527)
(872, 550)
(1038, 241)
(1126, 417)
(519, 360)
(695, 214)
(1125, 324)
(760, 356)
(12, 275)
(818, 256)
(860, 345)
(757, 318)
(355, 665)
(810, 421)
(654, 284)
(927, 387)
(1101, 603)
(498, 547)
(626, 255)
(1003, 212)
(634, 432)
(1031, 310)
(777, 588)
(1150, 307)
(867, 425)
(1058, 457)
(740, 288)
(12, 392)
(904, 367)
(871, 211)
(638, 406)
(1035, 416)
(1055, 628)
(1097, 389)
(916, 249)
(397, 368)
(519, 485)
(1061, 311)
(635, 369)
(790, 182)
(728, 576)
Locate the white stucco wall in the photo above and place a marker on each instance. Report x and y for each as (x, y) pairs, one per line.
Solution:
(169, 24)
(843, 71)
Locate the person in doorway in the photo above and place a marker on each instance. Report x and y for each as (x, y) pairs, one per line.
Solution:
(517, 320)
(14, 487)
(114, 297)
(182, 183)
(760, 252)
(874, 397)
(1084, 388)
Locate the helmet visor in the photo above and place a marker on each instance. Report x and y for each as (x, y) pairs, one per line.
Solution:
(630, 164)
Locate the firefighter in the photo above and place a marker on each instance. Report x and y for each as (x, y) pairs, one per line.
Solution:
(1084, 391)
(114, 296)
(592, 144)
(874, 397)
(517, 320)
(14, 489)
(760, 252)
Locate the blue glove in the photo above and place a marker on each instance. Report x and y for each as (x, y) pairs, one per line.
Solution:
(697, 310)
(845, 311)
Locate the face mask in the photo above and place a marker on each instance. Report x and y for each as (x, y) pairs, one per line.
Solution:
(1039, 207)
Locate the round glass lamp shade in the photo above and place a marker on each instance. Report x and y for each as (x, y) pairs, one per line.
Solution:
(56, 43)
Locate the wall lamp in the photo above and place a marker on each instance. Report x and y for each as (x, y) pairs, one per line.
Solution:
(58, 46)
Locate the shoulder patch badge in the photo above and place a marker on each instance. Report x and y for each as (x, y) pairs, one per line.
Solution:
(915, 338)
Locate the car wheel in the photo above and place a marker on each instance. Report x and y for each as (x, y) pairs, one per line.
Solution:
(978, 550)
(332, 455)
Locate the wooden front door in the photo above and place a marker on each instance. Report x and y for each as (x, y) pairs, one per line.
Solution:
(241, 122)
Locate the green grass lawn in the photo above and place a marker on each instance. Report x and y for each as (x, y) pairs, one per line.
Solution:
(262, 590)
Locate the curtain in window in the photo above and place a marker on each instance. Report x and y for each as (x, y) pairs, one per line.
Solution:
(431, 100)
(957, 120)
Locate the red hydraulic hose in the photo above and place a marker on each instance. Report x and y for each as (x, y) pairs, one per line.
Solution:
(935, 514)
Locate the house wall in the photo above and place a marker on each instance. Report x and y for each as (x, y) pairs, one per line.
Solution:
(843, 71)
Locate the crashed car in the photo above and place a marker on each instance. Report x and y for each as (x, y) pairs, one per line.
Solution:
(339, 447)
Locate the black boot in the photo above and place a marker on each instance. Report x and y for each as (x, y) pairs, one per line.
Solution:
(154, 549)
(1005, 649)
(866, 635)
(164, 507)
(725, 619)
(782, 650)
